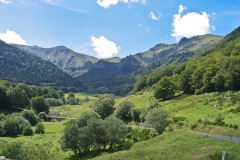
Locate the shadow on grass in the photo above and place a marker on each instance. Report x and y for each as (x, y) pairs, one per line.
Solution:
(95, 153)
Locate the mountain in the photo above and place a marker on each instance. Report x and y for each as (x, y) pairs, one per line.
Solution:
(216, 69)
(75, 64)
(119, 78)
(20, 66)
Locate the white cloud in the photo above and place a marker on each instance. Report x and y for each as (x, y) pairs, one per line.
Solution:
(5, 1)
(109, 3)
(104, 47)
(12, 37)
(181, 9)
(154, 17)
(190, 24)
(213, 28)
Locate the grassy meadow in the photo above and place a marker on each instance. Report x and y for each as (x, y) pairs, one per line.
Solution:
(175, 146)
(171, 145)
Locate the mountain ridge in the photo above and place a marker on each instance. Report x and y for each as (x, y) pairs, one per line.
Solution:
(21, 66)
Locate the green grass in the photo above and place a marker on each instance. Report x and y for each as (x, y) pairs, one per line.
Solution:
(140, 101)
(175, 146)
(76, 111)
(53, 133)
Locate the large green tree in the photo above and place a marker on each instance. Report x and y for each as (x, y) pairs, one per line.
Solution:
(157, 119)
(104, 106)
(165, 89)
(19, 98)
(39, 104)
(126, 111)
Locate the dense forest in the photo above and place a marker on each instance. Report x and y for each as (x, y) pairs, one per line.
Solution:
(217, 69)
(20, 66)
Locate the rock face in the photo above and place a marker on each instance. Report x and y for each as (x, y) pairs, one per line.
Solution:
(3, 158)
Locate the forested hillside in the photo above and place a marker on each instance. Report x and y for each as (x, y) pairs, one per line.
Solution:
(119, 78)
(20, 66)
(217, 69)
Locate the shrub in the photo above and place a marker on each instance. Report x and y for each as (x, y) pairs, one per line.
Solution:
(176, 119)
(30, 116)
(54, 102)
(237, 110)
(2, 117)
(235, 126)
(39, 128)
(193, 125)
(205, 122)
(43, 115)
(86, 99)
(27, 131)
(13, 151)
(22, 123)
(11, 127)
(54, 113)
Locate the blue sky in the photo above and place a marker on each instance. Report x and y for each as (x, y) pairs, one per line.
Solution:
(107, 28)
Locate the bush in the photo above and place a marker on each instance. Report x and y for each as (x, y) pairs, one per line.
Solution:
(193, 125)
(22, 123)
(30, 116)
(27, 131)
(54, 102)
(237, 110)
(54, 113)
(235, 126)
(43, 115)
(39, 128)
(176, 119)
(13, 151)
(11, 127)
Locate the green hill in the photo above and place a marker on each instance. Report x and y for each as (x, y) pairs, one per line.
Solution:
(217, 69)
(20, 66)
(118, 78)
(174, 145)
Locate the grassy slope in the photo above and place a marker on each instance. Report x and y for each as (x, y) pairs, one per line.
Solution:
(54, 130)
(195, 107)
(174, 145)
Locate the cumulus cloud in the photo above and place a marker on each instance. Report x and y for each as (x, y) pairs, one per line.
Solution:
(109, 3)
(154, 17)
(5, 1)
(190, 24)
(104, 47)
(12, 37)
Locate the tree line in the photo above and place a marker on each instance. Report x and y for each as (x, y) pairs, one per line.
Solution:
(217, 69)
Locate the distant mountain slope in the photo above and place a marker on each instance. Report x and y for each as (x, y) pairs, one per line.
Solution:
(118, 78)
(20, 66)
(73, 63)
(217, 69)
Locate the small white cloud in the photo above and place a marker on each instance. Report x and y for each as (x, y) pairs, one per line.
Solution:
(154, 17)
(5, 1)
(108, 3)
(190, 24)
(213, 28)
(12, 37)
(181, 9)
(104, 47)
(139, 24)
